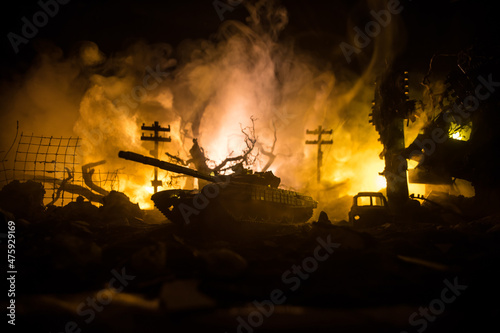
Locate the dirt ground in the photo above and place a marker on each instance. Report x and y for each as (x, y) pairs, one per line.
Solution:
(81, 267)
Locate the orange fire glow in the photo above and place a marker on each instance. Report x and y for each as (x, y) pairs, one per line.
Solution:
(212, 91)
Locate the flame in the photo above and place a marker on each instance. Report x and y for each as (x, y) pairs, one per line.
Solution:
(138, 193)
(248, 75)
(107, 128)
(381, 182)
(222, 136)
(214, 91)
(460, 133)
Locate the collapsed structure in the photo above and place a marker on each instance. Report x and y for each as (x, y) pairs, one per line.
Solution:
(459, 142)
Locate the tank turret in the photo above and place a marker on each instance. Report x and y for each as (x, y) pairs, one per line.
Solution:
(241, 175)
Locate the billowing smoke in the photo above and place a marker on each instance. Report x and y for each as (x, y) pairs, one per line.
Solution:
(210, 90)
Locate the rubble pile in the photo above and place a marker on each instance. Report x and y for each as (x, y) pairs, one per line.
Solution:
(165, 277)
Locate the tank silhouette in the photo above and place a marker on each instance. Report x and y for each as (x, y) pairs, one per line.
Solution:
(241, 196)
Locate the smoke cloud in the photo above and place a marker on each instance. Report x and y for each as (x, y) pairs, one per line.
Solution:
(210, 89)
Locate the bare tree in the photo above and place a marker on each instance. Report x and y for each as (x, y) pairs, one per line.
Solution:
(269, 154)
(177, 159)
(246, 158)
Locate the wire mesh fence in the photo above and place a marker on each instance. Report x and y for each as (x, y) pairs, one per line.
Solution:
(54, 162)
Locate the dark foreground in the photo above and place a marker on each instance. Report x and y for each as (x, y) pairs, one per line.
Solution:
(76, 275)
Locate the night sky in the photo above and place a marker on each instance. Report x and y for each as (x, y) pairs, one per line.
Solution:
(317, 27)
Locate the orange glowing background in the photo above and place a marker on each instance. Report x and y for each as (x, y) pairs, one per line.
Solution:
(210, 89)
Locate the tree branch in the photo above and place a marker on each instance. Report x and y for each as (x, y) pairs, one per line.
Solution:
(244, 158)
(270, 154)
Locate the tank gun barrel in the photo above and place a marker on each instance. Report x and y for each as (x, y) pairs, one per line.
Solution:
(128, 155)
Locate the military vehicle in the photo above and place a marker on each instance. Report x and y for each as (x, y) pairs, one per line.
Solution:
(369, 209)
(241, 196)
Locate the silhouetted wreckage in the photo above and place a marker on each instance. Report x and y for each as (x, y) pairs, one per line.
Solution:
(460, 141)
(162, 277)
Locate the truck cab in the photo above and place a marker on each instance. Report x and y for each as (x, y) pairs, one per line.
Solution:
(369, 209)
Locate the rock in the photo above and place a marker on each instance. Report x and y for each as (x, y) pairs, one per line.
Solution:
(223, 263)
(150, 260)
(347, 237)
(24, 200)
(77, 211)
(73, 253)
(117, 209)
(322, 219)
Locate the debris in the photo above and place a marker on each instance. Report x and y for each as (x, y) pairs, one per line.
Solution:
(322, 219)
(118, 210)
(87, 172)
(223, 263)
(24, 200)
(78, 210)
(65, 181)
(150, 260)
(74, 253)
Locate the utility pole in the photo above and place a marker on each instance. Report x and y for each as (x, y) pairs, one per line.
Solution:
(156, 128)
(319, 132)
